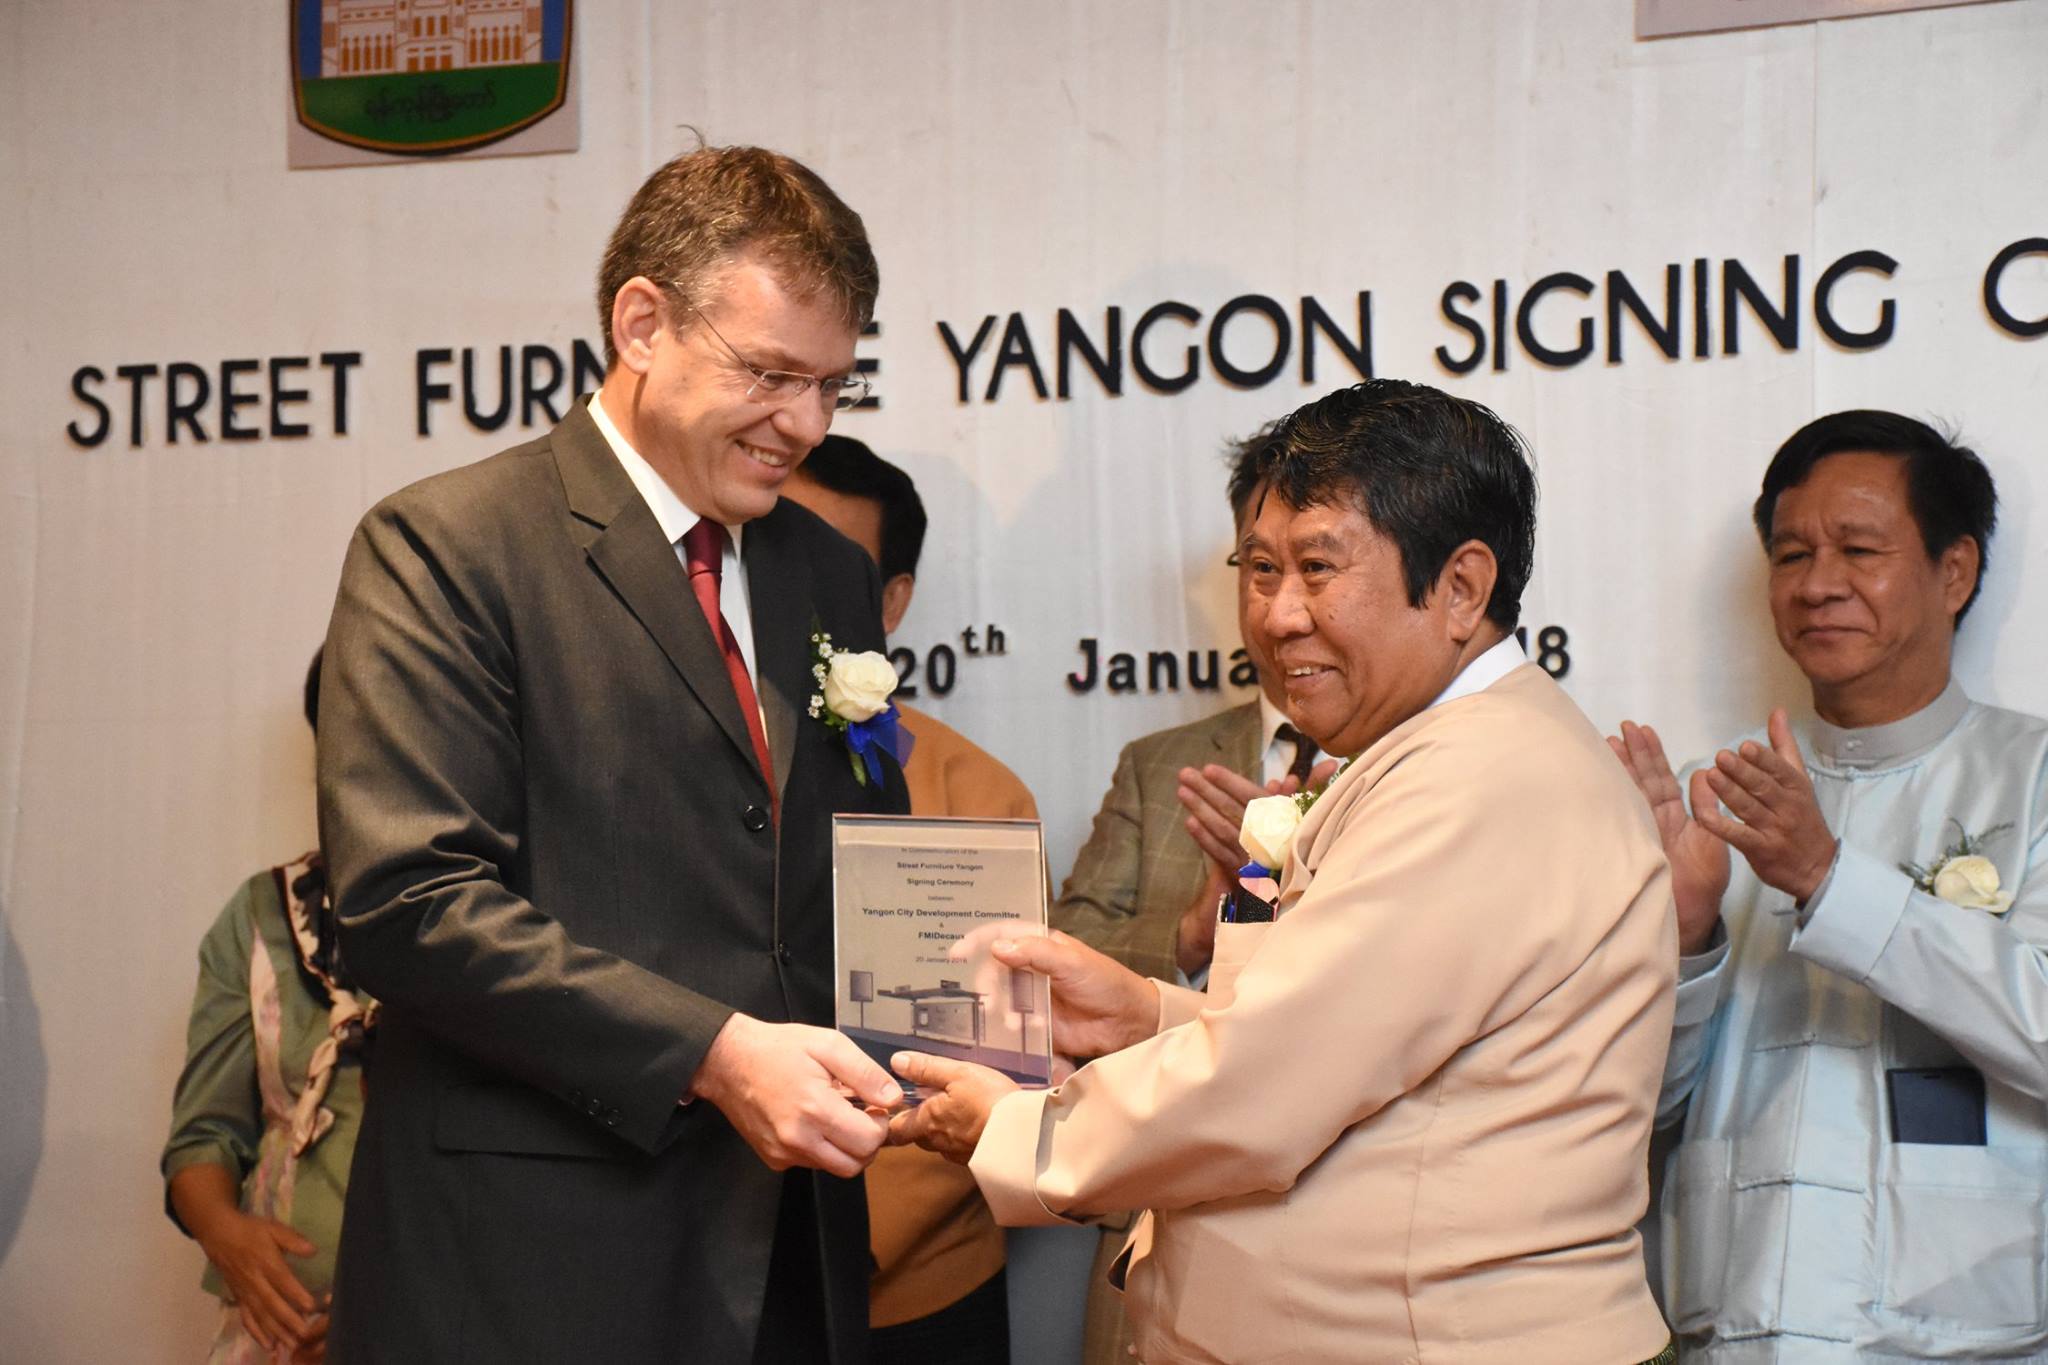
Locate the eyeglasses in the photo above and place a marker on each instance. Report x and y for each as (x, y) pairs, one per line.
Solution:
(781, 386)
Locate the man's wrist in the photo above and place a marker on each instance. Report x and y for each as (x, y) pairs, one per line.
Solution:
(709, 1082)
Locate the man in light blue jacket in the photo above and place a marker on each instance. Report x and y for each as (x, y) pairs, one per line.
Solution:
(1862, 1021)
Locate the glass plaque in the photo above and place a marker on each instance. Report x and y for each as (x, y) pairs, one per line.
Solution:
(918, 900)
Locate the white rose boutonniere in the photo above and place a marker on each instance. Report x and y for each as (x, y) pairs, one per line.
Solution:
(853, 698)
(1267, 831)
(857, 686)
(1961, 875)
(1971, 882)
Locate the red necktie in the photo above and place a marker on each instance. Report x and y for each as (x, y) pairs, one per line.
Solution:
(704, 546)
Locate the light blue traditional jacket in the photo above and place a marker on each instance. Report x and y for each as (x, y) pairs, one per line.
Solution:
(1795, 1229)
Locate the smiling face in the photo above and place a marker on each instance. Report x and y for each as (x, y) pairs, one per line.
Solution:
(1324, 600)
(1858, 604)
(680, 394)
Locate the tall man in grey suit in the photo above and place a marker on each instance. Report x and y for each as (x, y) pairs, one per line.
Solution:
(577, 821)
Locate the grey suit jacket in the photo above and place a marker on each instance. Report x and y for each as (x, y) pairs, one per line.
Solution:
(1140, 868)
(553, 861)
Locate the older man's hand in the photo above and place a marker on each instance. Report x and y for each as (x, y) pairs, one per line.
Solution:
(958, 1098)
(1778, 826)
(1099, 1005)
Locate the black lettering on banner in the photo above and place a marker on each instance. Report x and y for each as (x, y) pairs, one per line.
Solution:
(1994, 276)
(136, 375)
(1462, 291)
(233, 399)
(427, 390)
(1314, 320)
(1014, 350)
(538, 395)
(1823, 302)
(963, 358)
(1702, 329)
(1622, 295)
(1106, 364)
(1500, 325)
(280, 395)
(184, 411)
(1123, 673)
(1083, 678)
(1200, 679)
(1243, 673)
(1739, 286)
(1551, 654)
(1162, 661)
(498, 416)
(941, 667)
(1526, 334)
(1151, 377)
(341, 362)
(906, 670)
(79, 378)
(1283, 341)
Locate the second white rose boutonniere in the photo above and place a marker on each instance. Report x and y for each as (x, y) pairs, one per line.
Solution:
(853, 698)
(1267, 830)
(1961, 875)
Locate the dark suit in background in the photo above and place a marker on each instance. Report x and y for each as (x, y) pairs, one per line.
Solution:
(554, 863)
(1140, 868)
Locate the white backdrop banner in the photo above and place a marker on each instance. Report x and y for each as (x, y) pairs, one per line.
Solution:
(1112, 238)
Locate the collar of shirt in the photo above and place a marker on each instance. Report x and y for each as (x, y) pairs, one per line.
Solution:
(1483, 672)
(735, 598)
(673, 514)
(1896, 742)
(1275, 758)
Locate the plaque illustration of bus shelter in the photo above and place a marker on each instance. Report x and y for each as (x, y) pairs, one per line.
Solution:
(918, 903)
(945, 1012)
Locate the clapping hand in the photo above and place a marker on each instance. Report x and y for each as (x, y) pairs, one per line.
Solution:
(1215, 797)
(1698, 853)
(1778, 826)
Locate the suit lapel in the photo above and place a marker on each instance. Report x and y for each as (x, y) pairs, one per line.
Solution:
(779, 595)
(1237, 739)
(628, 549)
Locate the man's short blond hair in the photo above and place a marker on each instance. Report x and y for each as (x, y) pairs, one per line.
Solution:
(694, 215)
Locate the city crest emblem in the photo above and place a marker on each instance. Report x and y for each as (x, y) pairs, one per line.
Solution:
(427, 77)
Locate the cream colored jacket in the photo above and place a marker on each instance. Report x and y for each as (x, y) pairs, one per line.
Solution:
(1409, 1120)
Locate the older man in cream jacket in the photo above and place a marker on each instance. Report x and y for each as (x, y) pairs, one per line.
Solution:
(1408, 1120)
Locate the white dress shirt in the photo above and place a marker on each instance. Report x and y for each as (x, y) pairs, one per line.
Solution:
(676, 518)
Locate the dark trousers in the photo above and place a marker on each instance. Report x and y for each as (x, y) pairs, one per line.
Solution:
(793, 1311)
(974, 1330)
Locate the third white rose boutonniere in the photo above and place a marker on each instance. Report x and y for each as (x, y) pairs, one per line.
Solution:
(853, 698)
(1961, 875)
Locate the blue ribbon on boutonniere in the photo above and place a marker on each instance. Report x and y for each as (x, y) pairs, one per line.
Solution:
(1242, 905)
(882, 733)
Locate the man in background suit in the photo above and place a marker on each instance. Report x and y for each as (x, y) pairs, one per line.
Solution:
(1163, 848)
(1407, 1120)
(1164, 844)
(938, 1294)
(577, 822)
